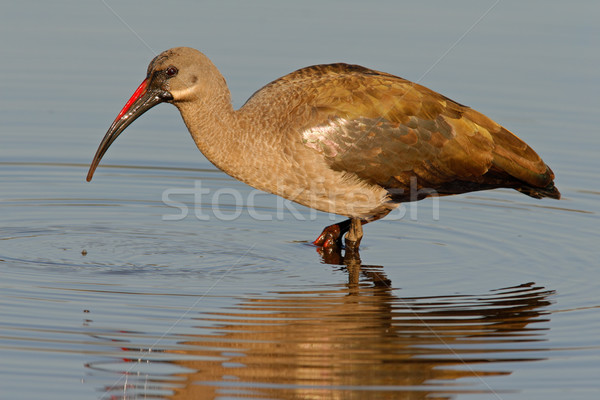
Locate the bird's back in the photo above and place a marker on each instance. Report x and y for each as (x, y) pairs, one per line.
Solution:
(388, 130)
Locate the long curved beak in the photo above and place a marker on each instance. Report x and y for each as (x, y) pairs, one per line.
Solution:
(142, 100)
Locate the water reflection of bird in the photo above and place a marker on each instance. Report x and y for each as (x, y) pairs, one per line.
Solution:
(339, 138)
(359, 341)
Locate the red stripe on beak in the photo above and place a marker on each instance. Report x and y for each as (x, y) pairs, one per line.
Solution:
(139, 92)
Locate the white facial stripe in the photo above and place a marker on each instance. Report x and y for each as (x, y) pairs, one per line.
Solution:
(182, 93)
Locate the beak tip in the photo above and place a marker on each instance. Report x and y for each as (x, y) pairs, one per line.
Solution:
(89, 176)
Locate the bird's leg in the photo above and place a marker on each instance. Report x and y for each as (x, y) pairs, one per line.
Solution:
(332, 235)
(354, 235)
(353, 238)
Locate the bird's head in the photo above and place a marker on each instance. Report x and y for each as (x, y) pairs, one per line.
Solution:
(175, 76)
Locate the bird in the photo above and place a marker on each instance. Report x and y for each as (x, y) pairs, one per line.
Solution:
(339, 138)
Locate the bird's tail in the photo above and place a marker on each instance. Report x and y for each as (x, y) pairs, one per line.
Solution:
(539, 193)
(514, 157)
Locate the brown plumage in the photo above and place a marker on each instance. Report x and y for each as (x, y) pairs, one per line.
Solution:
(338, 138)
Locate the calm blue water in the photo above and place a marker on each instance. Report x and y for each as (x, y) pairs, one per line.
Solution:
(130, 287)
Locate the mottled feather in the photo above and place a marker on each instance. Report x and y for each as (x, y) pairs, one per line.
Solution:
(387, 130)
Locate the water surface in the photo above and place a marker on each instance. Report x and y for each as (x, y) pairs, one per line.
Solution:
(131, 287)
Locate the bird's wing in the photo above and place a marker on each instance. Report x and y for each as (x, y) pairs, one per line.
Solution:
(386, 130)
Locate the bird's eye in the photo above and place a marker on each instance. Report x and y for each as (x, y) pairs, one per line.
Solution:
(171, 71)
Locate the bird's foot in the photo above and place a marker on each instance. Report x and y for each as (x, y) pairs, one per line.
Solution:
(336, 256)
(330, 237)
